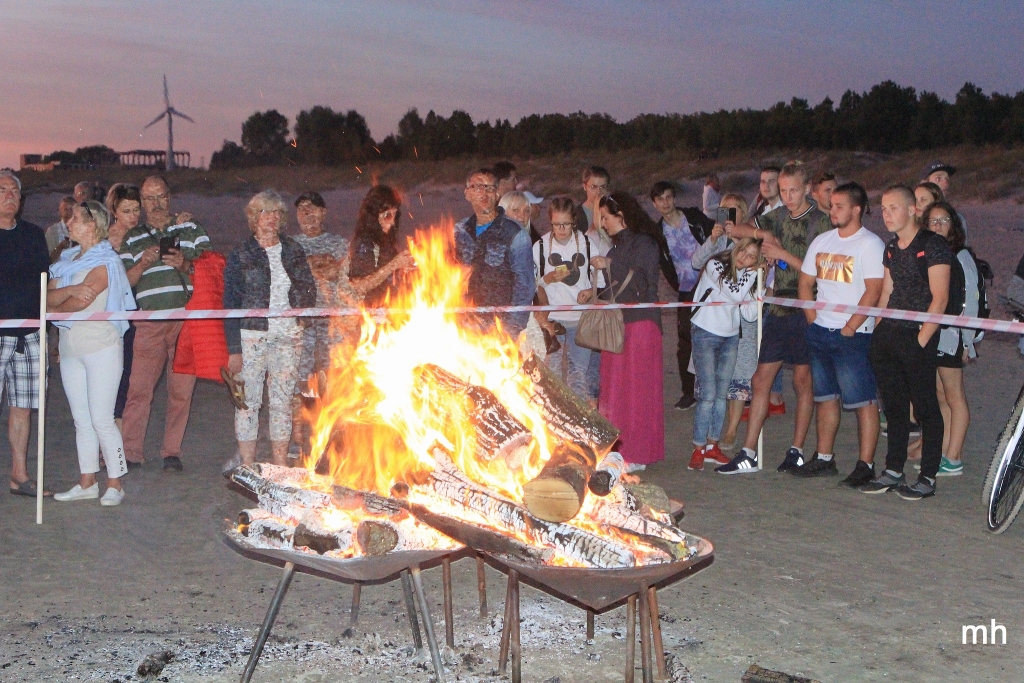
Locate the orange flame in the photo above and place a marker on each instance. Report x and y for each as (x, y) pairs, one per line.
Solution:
(374, 423)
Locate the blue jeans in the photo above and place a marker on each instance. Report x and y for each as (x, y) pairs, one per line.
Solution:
(714, 359)
(578, 361)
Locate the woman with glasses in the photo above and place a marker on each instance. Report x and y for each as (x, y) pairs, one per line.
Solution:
(561, 262)
(376, 261)
(268, 270)
(631, 381)
(956, 345)
(91, 277)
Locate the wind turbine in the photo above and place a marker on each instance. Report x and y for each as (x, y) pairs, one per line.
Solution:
(170, 112)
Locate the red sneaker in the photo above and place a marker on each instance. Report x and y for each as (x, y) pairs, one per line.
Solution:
(715, 454)
(697, 459)
(777, 408)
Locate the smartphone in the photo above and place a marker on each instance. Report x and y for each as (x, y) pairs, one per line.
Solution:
(167, 243)
(726, 215)
(561, 268)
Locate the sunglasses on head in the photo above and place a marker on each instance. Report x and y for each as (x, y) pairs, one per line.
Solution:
(85, 206)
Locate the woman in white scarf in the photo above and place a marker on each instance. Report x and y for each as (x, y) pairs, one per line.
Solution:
(90, 277)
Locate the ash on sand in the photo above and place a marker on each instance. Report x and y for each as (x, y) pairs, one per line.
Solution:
(110, 649)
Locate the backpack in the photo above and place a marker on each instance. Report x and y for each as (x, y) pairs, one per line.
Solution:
(957, 301)
(985, 277)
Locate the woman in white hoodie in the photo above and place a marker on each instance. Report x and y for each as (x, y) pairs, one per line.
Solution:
(727, 278)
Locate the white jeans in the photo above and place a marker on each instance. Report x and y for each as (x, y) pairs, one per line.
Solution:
(91, 383)
(270, 360)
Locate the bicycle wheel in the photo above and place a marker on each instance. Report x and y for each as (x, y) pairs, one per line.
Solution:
(1004, 484)
(1001, 444)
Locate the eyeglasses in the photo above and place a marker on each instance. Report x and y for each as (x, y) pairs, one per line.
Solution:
(85, 206)
(264, 212)
(155, 197)
(939, 221)
(482, 188)
(563, 225)
(388, 215)
(597, 188)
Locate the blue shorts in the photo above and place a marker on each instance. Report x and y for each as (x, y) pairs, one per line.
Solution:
(841, 367)
(784, 339)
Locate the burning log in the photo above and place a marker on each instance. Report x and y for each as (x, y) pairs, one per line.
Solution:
(497, 432)
(606, 475)
(376, 538)
(264, 528)
(345, 498)
(556, 494)
(282, 494)
(577, 545)
(567, 415)
(481, 539)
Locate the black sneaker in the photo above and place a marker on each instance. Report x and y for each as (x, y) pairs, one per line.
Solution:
(740, 464)
(816, 467)
(793, 460)
(922, 488)
(883, 483)
(172, 463)
(862, 474)
(685, 402)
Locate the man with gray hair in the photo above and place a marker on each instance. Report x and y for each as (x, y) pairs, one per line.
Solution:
(82, 191)
(23, 257)
(158, 256)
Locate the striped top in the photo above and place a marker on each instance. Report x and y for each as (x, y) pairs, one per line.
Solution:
(160, 287)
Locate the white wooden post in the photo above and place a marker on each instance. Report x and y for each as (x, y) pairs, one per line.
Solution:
(760, 323)
(41, 426)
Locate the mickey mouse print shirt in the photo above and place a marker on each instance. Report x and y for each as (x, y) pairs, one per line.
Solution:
(573, 257)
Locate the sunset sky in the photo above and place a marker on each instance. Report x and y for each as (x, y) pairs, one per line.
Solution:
(77, 73)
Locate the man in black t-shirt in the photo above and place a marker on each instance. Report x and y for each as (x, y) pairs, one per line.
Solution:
(903, 353)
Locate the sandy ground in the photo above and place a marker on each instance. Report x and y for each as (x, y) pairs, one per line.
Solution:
(808, 578)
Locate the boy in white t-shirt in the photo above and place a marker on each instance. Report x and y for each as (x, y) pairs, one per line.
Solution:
(561, 264)
(846, 266)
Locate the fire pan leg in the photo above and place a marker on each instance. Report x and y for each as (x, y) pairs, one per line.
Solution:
(449, 612)
(410, 607)
(590, 624)
(506, 628)
(428, 624)
(630, 638)
(481, 585)
(357, 589)
(516, 649)
(268, 621)
(646, 663)
(659, 649)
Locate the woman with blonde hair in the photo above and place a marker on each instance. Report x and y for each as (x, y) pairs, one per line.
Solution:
(268, 270)
(91, 277)
(517, 207)
(728, 278)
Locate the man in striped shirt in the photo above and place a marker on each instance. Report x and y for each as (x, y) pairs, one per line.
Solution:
(161, 281)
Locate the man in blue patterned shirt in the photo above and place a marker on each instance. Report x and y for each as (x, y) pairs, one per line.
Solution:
(684, 231)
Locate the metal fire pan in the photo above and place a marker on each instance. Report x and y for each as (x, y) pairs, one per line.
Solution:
(361, 569)
(598, 589)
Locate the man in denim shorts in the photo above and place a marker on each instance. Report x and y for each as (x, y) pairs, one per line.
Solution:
(846, 266)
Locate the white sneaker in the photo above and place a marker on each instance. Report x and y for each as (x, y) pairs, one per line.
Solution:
(78, 493)
(112, 497)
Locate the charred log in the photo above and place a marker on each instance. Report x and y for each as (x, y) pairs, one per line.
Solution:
(606, 475)
(376, 538)
(497, 433)
(480, 538)
(567, 415)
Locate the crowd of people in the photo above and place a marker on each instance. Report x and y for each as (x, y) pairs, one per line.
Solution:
(802, 237)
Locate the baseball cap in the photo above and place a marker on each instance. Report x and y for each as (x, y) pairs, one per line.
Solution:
(937, 166)
(532, 198)
(313, 198)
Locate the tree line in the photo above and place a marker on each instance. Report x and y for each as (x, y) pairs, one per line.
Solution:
(887, 118)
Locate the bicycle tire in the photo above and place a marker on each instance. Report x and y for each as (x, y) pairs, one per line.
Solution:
(1001, 444)
(1006, 494)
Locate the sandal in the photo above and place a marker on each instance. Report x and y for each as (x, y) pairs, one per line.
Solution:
(28, 488)
(236, 389)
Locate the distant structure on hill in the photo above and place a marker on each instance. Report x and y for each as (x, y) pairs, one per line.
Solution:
(137, 158)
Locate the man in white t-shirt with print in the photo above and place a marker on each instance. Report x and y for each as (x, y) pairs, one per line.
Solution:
(846, 265)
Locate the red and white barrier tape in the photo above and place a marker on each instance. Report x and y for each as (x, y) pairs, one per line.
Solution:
(182, 314)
